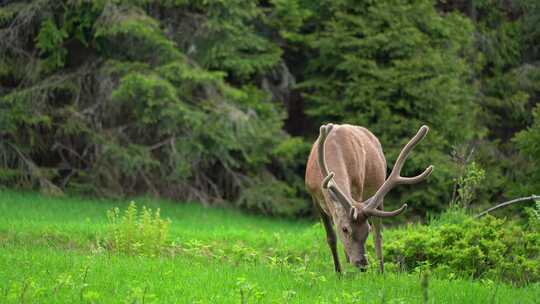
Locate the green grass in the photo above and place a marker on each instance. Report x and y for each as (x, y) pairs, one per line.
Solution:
(50, 252)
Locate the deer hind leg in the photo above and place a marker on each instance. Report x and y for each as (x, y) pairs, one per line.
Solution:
(377, 225)
(330, 237)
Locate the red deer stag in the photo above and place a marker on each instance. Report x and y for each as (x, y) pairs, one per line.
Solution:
(358, 170)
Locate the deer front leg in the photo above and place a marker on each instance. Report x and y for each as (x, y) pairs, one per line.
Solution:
(377, 226)
(330, 238)
(332, 242)
(377, 223)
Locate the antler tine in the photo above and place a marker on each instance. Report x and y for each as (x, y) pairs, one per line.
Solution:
(400, 161)
(333, 189)
(395, 179)
(323, 133)
(381, 213)
(416, 179)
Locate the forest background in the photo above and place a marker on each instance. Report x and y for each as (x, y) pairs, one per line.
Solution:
(220, 101)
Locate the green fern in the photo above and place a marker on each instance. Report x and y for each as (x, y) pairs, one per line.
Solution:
(137, 233)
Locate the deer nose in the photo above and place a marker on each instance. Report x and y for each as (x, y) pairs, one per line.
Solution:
(361, 263)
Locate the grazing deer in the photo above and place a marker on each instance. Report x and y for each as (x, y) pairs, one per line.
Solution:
(358, 170)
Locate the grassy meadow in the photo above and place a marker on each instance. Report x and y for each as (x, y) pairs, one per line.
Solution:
(52, 251)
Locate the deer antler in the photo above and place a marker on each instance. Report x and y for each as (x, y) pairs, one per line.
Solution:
(334, 191)
(323, 133)
(395, 179)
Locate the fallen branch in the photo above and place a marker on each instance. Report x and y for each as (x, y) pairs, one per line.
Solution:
(46, 186)
(517, 200)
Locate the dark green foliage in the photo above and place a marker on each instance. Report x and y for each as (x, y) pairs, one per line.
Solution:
(132, 112)
(49, 41)
(507, 76)
(232, 41)
(528, 142)
(392, 67)
(198, 99)
(459, 246)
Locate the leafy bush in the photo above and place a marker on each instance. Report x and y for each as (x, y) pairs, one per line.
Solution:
(137, 233)
(466, 185)
(458, 245)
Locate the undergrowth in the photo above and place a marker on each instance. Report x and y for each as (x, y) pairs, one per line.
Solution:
(453, 245)
(457, 245)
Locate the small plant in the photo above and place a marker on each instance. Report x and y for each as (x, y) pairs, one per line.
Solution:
(140, 295)
(467, 184)
(288, 295)
(352, 297)
(135, 233)
(249, 292)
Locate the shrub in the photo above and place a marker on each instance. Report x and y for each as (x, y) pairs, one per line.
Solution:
(466, 185)
(462, 246)
(135, 233)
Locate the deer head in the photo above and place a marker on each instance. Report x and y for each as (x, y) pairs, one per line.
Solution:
(353, 226)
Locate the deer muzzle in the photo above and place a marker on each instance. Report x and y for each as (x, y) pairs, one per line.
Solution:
(361, 263)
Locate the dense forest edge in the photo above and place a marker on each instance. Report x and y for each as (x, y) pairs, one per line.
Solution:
(220, 101)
